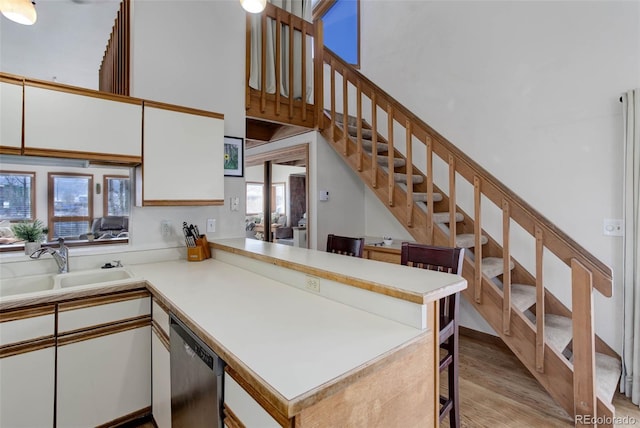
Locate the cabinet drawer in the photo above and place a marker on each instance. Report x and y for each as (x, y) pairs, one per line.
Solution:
(27, 324)
(244, 409)
(88, 313)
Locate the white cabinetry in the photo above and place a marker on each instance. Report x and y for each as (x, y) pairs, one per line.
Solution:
(76, 123)
(160, 370)
(104, 374)
(183, 153)
(27, 367)
(241, 409)
(10, 116)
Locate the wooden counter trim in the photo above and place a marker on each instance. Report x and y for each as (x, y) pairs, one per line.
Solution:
(282, 419)
(81, 91)
(103, 300)
(133, 416)
(10, 150)
(182, 202)
(345, 279)
(230, 418)
(181, 109)
(103, 330)
(27, 346)
(162, 336)
(11, 78)
(30, 312)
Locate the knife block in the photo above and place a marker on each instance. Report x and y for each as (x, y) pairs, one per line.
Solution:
(201, 251)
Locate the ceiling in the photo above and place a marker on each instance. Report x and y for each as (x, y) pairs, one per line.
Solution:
(66, 44)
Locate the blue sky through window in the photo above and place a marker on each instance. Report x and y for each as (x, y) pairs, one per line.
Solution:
(341, 30)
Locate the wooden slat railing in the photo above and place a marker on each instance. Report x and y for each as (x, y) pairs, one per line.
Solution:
(487, 188)
(113, 75)
(274, 106)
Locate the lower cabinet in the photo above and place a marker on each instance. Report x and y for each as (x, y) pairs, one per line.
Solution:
(103, 378)
(160, 369)
(241, 409)
(27, 367)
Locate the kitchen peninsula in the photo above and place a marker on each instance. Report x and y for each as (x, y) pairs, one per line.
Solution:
(309, 338)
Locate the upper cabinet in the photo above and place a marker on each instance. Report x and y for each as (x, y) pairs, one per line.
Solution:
(183, 154)
(10, 115)
(69, 122)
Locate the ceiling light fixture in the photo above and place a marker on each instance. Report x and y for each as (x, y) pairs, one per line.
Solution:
(253, 6)
(20, 11)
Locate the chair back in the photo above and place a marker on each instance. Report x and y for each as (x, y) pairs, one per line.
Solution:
(441, 259)
(345, 245)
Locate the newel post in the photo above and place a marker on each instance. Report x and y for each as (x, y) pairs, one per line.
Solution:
(584, 370)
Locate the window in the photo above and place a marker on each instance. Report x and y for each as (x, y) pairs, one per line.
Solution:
(117, 195)
(341, 28)
(70, 204)
(17, 195)
(255, 203)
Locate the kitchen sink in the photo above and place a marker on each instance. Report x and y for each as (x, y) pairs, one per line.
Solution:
(36, 283)
(26, 284)
(88, 277)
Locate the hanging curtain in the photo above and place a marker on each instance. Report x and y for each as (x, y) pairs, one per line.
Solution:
(630, 383)
(301, 8)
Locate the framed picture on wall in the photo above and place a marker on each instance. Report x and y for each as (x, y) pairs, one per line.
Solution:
(233, 157)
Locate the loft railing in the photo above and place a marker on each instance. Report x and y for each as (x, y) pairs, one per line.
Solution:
(113, 75)
(281, 43)
(340, 90)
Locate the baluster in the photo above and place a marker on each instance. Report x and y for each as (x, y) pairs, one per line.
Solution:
(374, 141)
(333, 100)
(409, 171)
(291, 83)
(506, 277)
(318, 78)
(429, 167)
(303, 72)
(359, 125)
(477, 231)
(539, 299)
(278, 64)
(390, 182)
(345, 113)
(584, 370)
(263, 63)
(247, 67)
(452, 201)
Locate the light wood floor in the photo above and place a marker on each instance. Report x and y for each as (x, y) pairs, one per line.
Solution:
(496, 390)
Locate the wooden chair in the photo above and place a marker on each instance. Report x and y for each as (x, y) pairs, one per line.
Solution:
(442, 259)
(345, 245)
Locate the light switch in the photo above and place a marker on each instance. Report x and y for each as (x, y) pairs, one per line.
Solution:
(613, 227)
(324, 195)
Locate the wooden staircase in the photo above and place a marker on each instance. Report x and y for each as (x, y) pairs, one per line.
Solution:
(443, 197)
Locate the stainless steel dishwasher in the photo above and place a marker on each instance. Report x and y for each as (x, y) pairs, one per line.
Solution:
(196, 380)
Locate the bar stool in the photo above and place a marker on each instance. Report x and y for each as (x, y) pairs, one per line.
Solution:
(442, 259)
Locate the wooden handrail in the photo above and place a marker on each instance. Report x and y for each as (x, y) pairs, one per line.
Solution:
(555, 240)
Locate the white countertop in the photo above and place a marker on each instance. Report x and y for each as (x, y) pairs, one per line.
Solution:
(293, 340)
(420, 285)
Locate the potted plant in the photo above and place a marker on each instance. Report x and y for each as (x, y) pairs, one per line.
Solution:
(30, 232)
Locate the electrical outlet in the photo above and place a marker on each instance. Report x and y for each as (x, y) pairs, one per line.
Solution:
(312, 283)
(165, 228)
(211, 225)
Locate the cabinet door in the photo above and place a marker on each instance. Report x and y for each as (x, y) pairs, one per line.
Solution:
(160, 381)
(27, 388)
(10, 117)
(183, 157)
(241, 409)
(82, 124)
(104, 378)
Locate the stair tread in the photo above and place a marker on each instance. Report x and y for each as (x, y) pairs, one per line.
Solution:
(397, 162)
(367, 145)
(351, 120)
(401, 177)
(468, 240)
(494, 266)
(558, 331)
(608, 371)
(523, 296)
(366, 132)
(421, 196)
(443, 217)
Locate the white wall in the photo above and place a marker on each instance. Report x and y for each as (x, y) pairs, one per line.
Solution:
(190, 53)
(530, 91)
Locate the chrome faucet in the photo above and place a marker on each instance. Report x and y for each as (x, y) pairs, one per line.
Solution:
(60, 255)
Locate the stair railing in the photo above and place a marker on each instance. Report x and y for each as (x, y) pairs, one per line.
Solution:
(486, 188)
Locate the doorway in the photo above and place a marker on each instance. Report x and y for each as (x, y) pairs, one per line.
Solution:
(278, 182)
